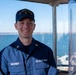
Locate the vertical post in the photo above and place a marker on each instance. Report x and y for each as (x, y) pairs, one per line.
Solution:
(54, 31)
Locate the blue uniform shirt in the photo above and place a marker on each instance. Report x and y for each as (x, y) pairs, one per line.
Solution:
(38, 60)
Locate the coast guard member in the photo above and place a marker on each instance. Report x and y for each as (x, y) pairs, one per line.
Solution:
(27, 56)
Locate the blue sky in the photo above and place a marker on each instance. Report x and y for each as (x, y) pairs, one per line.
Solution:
(43, 15)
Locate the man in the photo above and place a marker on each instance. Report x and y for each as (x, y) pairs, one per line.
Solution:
(27, 56)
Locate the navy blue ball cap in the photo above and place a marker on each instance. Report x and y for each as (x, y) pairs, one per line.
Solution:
(24, 13)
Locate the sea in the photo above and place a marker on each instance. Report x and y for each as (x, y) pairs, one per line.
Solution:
(46, 38)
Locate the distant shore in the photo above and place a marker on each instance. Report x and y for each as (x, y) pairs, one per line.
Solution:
(15, 33)
(8, 33)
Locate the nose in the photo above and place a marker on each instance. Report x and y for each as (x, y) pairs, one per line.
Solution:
(26, 25)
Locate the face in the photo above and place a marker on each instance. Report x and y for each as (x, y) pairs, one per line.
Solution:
(25, 28)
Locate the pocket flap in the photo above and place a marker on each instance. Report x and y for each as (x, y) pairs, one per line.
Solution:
(42, 65)
(16, 66)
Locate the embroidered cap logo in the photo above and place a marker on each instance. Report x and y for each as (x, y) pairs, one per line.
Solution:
(24, 11)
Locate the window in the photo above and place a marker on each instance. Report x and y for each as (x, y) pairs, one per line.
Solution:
(44, 27)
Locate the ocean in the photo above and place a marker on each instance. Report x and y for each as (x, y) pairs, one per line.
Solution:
(46, 38)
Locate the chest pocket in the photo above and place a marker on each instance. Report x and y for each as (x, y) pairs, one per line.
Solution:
(16, 68)
(42, 68)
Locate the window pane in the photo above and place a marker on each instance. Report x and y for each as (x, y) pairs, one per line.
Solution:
(62, 37)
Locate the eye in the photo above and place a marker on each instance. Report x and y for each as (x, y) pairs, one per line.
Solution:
(21, 22)
(30, 23)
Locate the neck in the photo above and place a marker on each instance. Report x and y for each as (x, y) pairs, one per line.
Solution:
(26, 41)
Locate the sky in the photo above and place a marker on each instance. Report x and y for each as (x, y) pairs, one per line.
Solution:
(43, 16)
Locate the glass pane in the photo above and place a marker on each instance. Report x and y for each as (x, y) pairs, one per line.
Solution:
(43, 20)
(72, 50)
(62, 37)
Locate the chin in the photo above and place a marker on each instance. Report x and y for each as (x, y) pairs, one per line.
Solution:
(27, 37)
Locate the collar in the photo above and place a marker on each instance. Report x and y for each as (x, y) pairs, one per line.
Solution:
(18, 44)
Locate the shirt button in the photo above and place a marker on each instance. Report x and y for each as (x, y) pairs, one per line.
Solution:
(17, 46)
(36, 44)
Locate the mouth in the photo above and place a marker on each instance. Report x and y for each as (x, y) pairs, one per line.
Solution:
(25, 31)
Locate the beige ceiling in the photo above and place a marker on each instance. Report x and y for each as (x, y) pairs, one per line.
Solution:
(52, 2)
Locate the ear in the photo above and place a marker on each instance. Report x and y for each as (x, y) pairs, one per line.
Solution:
(15, 26)
(34, 26)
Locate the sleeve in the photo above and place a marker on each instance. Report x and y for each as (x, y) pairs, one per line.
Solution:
(53, 68)
(3, 64)
(0, 63)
